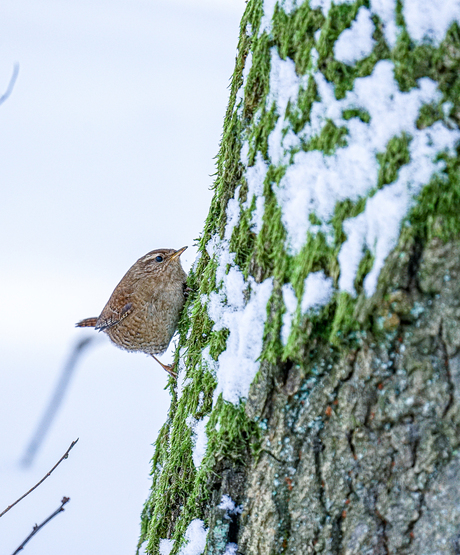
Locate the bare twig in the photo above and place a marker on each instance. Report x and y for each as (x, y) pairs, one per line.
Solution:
(37, 527)
(10, 87)
(64, 456)
(55, 401)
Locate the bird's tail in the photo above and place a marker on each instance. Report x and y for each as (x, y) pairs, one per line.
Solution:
(87, 323)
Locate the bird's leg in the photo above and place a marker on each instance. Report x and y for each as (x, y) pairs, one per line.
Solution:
(167, 367)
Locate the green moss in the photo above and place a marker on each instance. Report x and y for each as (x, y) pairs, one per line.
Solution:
(344, 210)
(442, 64)
(330, 138)
(392, 160)
(315, 255)
(242, 243)
(344, 320)
(294, 34)
(399, 14)
(271, 260)
(429, 114)
(298, 118)
(356, 113)
(365, 266)
(258, 79)
(438, 206)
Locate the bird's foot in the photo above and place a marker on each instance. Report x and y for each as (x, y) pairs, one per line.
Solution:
(169, 368)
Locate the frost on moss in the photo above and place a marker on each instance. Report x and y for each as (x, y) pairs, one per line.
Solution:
(333, 156)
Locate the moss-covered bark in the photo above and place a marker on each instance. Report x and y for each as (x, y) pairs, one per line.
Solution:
(348, 440)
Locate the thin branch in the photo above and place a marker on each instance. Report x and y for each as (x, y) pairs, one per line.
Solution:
(55, 402)
(10, 87)
(64, 456)
(36, 528)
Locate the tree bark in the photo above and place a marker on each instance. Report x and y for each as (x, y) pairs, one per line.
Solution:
(345, 439)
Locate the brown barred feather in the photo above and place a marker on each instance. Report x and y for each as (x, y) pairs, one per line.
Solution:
(87, 323)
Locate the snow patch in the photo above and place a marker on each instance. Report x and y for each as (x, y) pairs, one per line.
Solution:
(238, 365)
(356, 42)
(255, 177)
(290, 302)
(430, 21)
(200, 401)
(325, 5)
(239, 306)
(246, 70)
(317, 291)
(290, 5)
(378, 227)
(196, 261)
(283, 82)
(284, 87)
(212, 245)
(182, 381)
(208, 362)
(266, 21)
(199, 439)
(425, 21)
(228, 505)
(233, 214)
(386, 10)
(166, 546)
(196, 538)
(314, 183)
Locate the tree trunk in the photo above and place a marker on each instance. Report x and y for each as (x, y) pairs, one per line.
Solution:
(317, 407)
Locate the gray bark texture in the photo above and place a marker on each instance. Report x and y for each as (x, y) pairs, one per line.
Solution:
(363, 456)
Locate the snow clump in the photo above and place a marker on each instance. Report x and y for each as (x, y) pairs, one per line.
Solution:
(356, 42)
(196, 538)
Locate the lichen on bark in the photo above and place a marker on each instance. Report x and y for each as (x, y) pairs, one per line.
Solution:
(347, 439)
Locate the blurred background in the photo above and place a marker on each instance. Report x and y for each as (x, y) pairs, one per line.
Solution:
(106, 151)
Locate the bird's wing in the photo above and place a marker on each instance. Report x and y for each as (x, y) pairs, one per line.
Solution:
(111, 317)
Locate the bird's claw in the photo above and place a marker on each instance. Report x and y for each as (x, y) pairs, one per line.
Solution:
(168, 367)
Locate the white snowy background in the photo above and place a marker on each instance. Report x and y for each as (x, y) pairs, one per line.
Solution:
(107, 145)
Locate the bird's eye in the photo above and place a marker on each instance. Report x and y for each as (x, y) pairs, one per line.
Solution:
(159, 259)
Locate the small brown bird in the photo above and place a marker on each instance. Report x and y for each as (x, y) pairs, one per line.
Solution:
(144, 309)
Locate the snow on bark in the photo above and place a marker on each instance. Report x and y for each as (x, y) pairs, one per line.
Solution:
(356, 42)
(199, 439)
(429, 21)
(314, 183)
(195, 537)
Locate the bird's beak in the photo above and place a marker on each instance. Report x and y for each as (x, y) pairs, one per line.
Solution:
(177, 253)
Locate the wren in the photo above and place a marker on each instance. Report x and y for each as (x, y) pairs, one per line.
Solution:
(144, 308)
